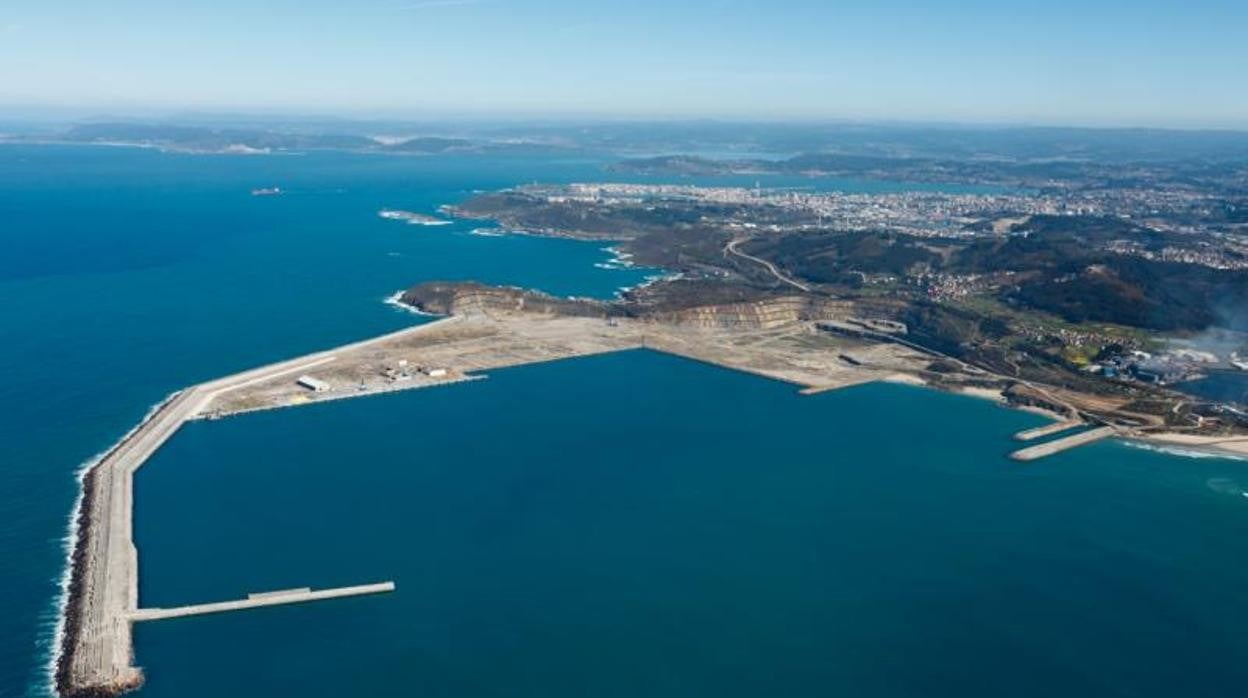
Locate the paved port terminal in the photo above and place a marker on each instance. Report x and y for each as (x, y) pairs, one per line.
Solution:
(96, 652)
(474, 344)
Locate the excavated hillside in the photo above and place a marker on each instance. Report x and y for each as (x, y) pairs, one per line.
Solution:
(670, 305)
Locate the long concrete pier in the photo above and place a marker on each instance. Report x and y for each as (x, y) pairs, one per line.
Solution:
(1063, 444)
(268, 598)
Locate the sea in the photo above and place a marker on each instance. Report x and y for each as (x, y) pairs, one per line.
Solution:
(625, 525)
(1221, 385)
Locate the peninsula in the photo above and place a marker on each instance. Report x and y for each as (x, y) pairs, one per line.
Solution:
(1094, 308)
(487, 328)
(1122, 298)
(816, 344)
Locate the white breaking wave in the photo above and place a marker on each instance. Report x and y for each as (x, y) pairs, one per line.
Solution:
(619, 260)
(393, 300)
(1182, 451)
(55, 645)
(650, 281)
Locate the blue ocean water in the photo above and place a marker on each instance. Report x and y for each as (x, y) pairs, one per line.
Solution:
(623, 525)
(126, 274)
(638, 524)
(1223, 386)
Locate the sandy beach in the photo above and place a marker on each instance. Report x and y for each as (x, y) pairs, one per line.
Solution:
(1225, 446)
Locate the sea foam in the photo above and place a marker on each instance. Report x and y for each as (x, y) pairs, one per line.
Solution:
(394, 301)
(1182, 451)
(55, 644)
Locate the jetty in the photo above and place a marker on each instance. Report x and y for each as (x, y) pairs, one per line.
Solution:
(1063, 444)
(1047, 430)
(268, 598)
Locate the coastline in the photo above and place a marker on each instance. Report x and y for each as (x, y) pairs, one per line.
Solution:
(991, 394)
(618, 260)
(1193, 446)
(1137, 463)
(544, 337)
(1000, 398)
(506, 226)
(648, 281)
(70, 624)
(1170, 442)
(411, 217)
(394, 301)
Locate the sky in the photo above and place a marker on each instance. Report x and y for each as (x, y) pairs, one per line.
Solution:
(1077, 62)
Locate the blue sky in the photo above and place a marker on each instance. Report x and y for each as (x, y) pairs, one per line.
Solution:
(1093, 62)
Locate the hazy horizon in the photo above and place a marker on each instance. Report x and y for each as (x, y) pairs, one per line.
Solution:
(35, 115)
(1108, 64)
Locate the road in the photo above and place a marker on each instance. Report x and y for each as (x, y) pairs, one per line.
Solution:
(731, 248)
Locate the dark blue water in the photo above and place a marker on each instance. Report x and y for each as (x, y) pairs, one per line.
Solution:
(639, 525)
(623, 525)
(1222, 386)
(126, 274)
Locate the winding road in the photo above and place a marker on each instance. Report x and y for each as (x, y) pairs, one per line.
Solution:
(731, 248)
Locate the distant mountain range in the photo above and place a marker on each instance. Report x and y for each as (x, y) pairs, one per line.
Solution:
(210, 139)
(831, 146)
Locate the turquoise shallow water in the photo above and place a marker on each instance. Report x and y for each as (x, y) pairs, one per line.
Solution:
(624, 525)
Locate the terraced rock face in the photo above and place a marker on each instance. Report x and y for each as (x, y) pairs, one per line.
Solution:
(673, 303)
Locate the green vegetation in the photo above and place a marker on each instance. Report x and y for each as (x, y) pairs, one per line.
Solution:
(827, 257)
(1059, 265)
